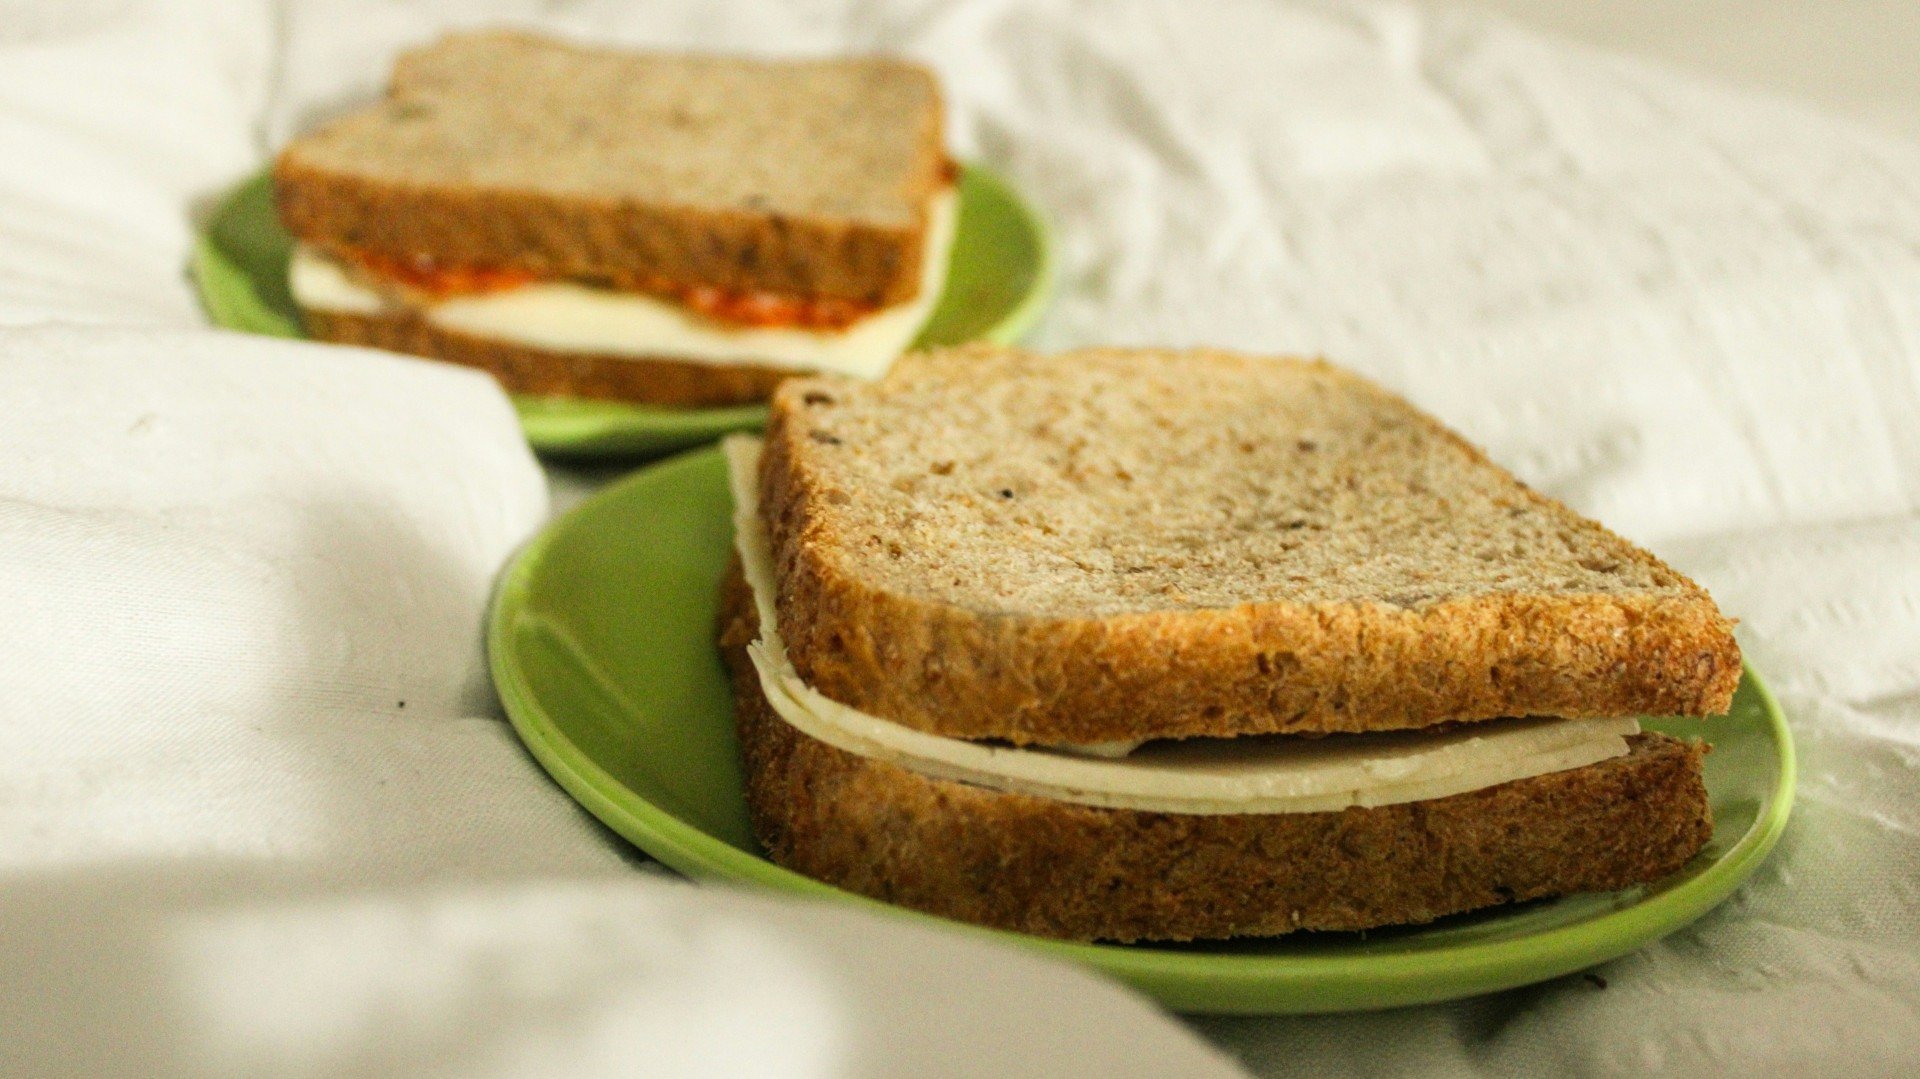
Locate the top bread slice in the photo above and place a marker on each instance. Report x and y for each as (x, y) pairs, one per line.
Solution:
(1109, 545)
(505, 149)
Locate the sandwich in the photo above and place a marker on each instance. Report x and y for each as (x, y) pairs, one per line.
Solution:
(666, 229)
(1150, 645)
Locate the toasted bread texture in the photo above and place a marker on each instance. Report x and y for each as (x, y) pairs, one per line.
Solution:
(1122, 544)
(1075, 872)
(505, 149)
(540, 372)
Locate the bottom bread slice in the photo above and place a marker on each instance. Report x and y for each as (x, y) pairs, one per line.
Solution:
(544, 373)
(1076, 872)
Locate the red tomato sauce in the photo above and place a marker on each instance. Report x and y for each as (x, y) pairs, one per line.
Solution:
(733, 307)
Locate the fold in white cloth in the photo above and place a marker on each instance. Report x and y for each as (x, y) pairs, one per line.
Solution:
(257, 813)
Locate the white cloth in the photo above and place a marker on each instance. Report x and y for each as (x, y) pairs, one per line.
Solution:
(258, 812)
(1690, 312)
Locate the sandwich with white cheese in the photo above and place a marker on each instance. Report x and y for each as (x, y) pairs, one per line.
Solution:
(668, 229)
(1149, 645)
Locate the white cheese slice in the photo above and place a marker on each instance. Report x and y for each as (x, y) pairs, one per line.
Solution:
(1258, 774)
(568, 317)
(320, 283)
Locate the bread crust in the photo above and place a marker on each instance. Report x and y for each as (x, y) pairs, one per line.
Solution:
(540, 372)
(1261, 667)
(335, 197)
(1074, 872)
(588, 240)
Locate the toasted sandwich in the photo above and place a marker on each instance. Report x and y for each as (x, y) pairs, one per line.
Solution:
(674, 230)
(1146, 645)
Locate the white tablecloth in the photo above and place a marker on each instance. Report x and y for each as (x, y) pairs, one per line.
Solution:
(257, 811)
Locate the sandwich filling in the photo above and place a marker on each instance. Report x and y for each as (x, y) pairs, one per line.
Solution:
(1255, 774)
(652, 320)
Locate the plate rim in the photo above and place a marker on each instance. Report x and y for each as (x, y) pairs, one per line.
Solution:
(1192, 982)
(583, 437)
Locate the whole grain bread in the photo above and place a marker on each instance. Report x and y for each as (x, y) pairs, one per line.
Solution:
(540, 372)
(1081, 873)
(505, 149)
(1120, 544)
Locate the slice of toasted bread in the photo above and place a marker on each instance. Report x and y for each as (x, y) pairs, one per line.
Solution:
(1081, 873)
(539, 372)
(1113, 545)
(509, 150)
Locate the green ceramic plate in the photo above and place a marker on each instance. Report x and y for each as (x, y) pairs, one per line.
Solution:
(996, 285)
(601, 645)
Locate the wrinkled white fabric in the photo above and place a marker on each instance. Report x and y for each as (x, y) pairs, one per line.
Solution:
(1690, 312)
(258, 811)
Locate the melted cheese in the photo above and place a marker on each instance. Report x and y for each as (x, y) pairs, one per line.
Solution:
(1255, 774)
(567, 317)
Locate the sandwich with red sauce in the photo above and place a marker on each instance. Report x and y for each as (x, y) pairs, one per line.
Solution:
(667, 229)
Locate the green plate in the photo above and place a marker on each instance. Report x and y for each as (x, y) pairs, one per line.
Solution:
(601, 645)
(997, 282)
